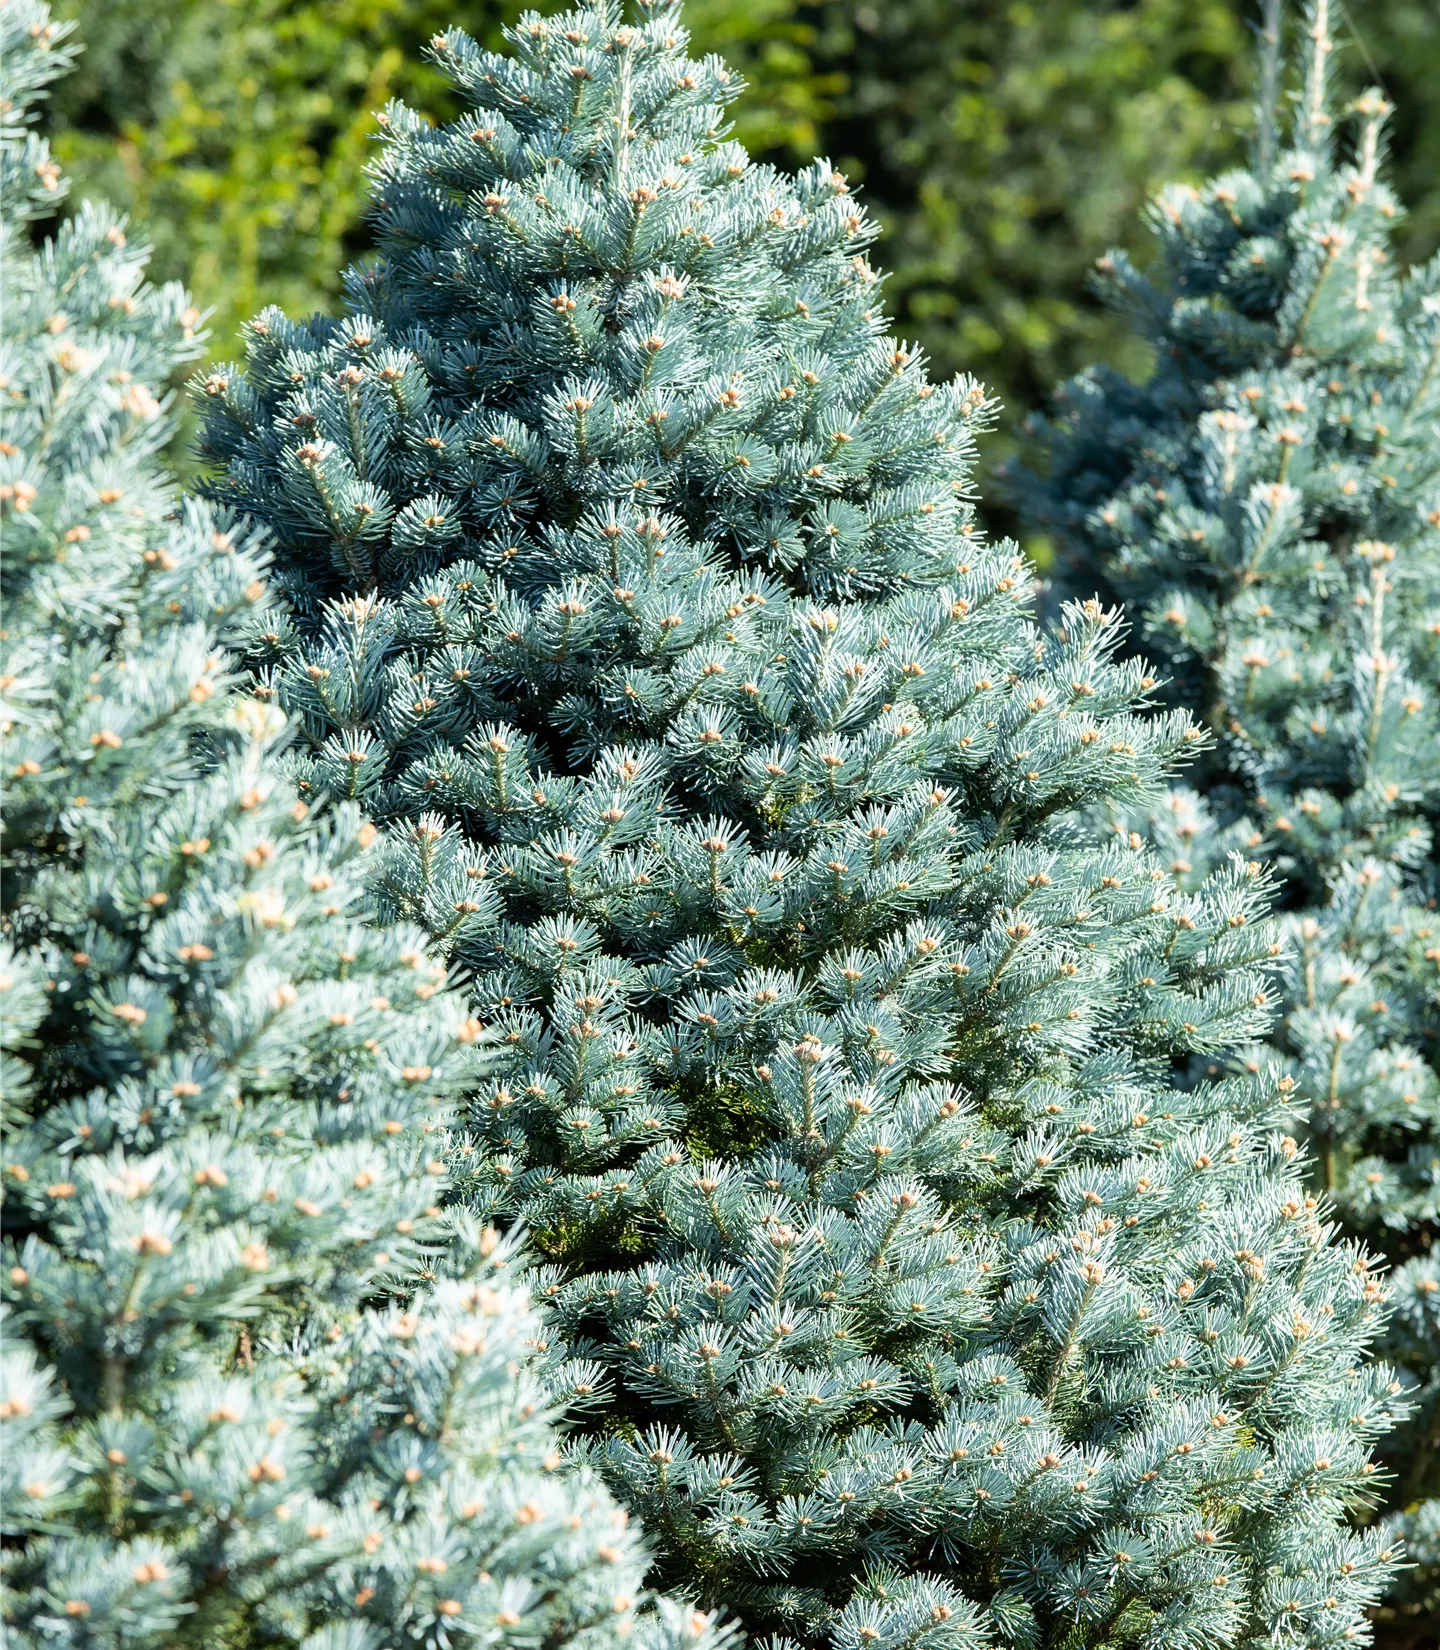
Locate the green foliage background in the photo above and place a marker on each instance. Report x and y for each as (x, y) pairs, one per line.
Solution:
(1003, 144)
(237, 130)
(1006, 145)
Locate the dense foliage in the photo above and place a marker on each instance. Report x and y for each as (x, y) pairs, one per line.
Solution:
(1001, 146)
(1004, 147)
(634, 581)
(239, 129)
(255, 1386)
(1268, 504)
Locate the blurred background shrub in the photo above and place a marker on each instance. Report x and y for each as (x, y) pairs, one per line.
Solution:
(1002, 144)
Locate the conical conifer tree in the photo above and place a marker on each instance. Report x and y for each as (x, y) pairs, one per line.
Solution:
(254, 1386)
(634, 580)
(1268, 503)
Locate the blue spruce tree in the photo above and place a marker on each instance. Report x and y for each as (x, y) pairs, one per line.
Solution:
(1268, 503)
(255, 1386)
(633, 581)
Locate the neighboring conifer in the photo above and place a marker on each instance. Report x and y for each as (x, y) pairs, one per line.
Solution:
(254, 1387)
(1268, 503)
(634, 579)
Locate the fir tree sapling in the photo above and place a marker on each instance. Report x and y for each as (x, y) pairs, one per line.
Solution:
(255, 1387)
(1268, 503)
(634, 580)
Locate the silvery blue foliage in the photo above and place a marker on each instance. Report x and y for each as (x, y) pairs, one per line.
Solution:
(257, 1386)
(633, 580)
